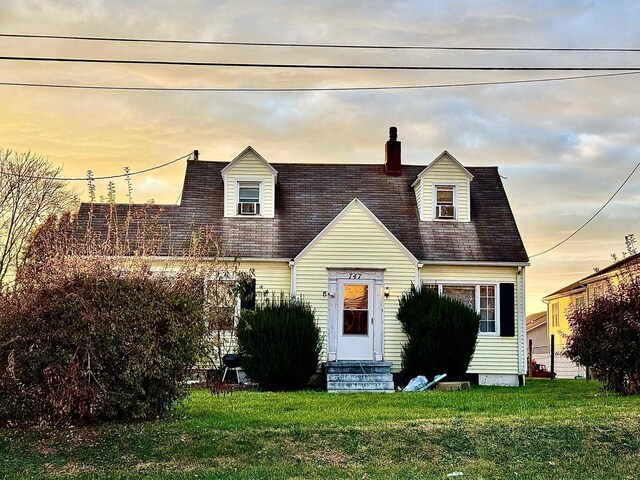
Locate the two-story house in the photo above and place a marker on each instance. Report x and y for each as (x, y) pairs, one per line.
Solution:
(350, 239)
(581, 292)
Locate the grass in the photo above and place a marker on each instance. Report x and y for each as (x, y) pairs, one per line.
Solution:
(561, 429)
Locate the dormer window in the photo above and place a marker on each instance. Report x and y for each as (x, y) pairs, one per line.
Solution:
(445, 202)
(443, 190)
(249, 198)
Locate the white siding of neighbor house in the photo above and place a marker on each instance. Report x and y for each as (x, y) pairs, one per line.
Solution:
(494, 354)
(445, 171)
(250, 168)
(357, 241)
(539, 338)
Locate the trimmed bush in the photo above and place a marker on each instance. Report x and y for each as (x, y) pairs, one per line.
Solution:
(279, 344)
(441, 334)
(84, 342)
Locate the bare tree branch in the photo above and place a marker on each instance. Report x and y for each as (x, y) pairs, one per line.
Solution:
(29, 193)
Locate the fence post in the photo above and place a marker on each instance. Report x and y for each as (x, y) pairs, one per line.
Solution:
(530, 358)
(553, 356)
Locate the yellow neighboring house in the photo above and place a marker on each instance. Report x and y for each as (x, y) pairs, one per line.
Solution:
(582, 292)
(350, 239)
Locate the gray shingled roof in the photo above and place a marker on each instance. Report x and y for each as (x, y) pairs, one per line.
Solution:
(309, 196)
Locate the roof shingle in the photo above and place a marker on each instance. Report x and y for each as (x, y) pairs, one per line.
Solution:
(309, 196)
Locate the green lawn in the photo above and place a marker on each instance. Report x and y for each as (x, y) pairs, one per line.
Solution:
(562, 430)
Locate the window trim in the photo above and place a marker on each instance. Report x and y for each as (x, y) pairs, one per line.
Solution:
(434, 196)
(237, 308)
(477, 286)
(236, 311)
(260, 182)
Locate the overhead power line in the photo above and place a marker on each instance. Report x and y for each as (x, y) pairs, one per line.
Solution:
(105, 177)
(309, 89)
(312, 65)
(592, 217)
(317, 45)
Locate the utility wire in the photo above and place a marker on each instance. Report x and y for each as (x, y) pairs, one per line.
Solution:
(105, 177)
(318, 45)
(310, 89)
(592, 217)
(312, 66)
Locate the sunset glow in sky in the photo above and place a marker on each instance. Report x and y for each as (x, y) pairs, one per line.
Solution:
(564, 147)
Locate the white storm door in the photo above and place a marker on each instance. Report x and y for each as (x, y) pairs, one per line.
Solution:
(355, 319)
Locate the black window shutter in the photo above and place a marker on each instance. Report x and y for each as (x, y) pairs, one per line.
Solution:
(248, 295)
(507, 310)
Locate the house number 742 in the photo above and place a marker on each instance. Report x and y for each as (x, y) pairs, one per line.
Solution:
(355, 276)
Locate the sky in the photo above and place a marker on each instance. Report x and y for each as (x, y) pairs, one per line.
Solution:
(562, 147)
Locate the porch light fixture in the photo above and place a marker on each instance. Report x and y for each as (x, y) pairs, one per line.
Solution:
(386, 292)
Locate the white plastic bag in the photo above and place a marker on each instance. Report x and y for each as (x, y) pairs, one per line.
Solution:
(417, 384)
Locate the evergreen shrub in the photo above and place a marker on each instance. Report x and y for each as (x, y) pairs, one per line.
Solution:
(441, 334)
(279, 344)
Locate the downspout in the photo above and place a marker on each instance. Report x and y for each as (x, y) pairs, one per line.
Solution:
(418, 267)
(293, 267)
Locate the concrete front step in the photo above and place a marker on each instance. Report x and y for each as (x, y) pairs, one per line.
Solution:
(366, 367)
(359, 376)
(360, 386)
(358, 370)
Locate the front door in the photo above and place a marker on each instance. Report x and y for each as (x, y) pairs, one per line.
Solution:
(355, 319)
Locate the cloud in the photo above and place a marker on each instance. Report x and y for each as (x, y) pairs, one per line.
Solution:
(563, 146)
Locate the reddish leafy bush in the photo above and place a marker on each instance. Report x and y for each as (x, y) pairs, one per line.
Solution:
(83, 341)
(85, 337)
(605, 335)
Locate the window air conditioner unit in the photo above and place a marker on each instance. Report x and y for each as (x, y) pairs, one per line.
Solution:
(445, 211)
(248, 208)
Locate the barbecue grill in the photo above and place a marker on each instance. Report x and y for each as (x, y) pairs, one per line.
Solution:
(231, 361)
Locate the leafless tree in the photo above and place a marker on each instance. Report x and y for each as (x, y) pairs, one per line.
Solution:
(30, 191)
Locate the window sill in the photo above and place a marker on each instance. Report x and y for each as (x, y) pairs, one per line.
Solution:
(489, 334)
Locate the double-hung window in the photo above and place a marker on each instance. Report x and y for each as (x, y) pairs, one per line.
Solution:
(555, 314)
(481, 298)
(487, 308)
(225, 297)
(249, 198)
(445, 202)
(223, 305)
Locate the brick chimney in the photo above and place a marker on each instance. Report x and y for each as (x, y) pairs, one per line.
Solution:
(392, 162)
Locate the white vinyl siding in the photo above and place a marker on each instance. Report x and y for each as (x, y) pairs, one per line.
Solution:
(494, 354)
(357, 241)
(272, 278)
(249, 169)
(445, 172)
